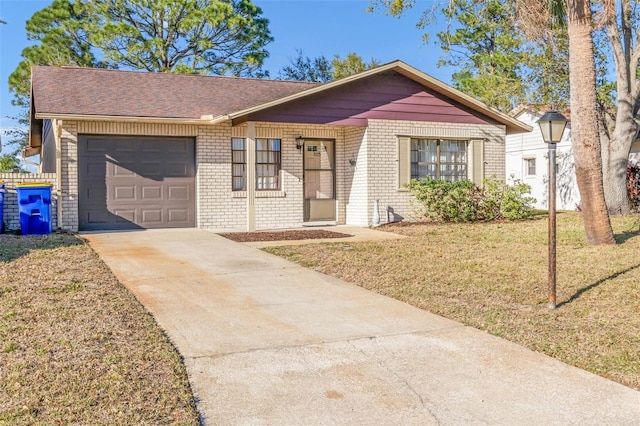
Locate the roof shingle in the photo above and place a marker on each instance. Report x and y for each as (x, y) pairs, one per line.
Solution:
(100, 92)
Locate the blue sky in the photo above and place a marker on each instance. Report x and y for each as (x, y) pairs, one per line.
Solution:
(316, 27)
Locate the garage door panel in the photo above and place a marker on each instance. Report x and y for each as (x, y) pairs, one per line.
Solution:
(151, 169)
(124, 216)
(94, 169)
(178, 215)
(124, 193)
(99, 145)
(123, 170)
(97, 217)
(136, 182)
(177, 170)
(180, 193)
(150, 146)
(151, 216)
(95, 193)
(123, 145)
(152, 192)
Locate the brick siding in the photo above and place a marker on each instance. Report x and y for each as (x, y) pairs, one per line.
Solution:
(373, 175)
(382, 165)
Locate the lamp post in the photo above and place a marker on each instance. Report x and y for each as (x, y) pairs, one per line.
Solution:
(552, 125)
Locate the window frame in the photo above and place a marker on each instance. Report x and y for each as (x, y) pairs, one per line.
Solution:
(264, 160)
(243, 164)
(277, 163)
(438, 163)
(527, 166)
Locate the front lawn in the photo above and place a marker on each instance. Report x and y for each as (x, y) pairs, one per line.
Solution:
(493, 276)
(76, 347)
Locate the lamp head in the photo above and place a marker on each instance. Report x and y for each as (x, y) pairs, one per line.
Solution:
(552, 125)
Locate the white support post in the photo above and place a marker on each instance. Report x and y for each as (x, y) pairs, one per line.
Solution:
(251, 176)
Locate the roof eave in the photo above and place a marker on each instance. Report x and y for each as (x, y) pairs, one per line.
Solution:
(513, 125)
(117, 118)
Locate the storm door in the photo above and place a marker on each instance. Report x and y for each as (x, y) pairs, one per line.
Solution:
(319, 181)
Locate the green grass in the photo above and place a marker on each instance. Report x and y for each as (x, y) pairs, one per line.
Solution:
(77, 347)
(493, 276)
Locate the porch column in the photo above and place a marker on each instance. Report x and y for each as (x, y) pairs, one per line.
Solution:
(251, 176)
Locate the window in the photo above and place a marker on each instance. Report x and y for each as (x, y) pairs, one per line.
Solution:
(238, 164)
(439, 159)
(530, 166)
(267, 164)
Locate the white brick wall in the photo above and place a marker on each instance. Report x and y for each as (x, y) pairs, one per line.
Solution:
(356, 181)
(69, 176)
(11, 215)
(373, 177)
(382, 165)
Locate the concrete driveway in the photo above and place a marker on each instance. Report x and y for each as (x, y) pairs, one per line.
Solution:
(268, 342)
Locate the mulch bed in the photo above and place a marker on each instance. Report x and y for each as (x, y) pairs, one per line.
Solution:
(310, 234)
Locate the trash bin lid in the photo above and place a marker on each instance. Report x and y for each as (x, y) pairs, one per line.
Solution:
(27, 184)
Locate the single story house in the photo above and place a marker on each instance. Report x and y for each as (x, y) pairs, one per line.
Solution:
(150, 150)
(527, 160)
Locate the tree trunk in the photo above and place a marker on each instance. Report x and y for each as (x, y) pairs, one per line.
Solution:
(616, 147)
(584, 129)
(615, 156)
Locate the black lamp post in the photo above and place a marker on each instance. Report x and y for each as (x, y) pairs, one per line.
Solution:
(552, 125)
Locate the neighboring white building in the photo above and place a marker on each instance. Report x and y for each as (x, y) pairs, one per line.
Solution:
(527, 161)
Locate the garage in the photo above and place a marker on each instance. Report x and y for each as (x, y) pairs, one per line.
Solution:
(139, 182)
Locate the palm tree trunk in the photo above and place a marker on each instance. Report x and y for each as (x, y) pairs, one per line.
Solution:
(584, 128)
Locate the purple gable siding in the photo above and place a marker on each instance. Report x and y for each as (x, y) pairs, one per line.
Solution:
(388, 95)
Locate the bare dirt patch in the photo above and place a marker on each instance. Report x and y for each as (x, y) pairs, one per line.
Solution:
(77, 347)
(290, 235)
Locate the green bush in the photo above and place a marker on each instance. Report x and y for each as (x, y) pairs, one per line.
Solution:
(463, 201)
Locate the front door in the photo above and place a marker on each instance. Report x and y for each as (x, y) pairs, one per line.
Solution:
(319, 181)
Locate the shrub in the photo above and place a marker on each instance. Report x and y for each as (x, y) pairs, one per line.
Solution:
(508, 201)
(463, 201)
(445, 201)
(633, 185)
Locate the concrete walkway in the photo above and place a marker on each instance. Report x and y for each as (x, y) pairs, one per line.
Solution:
(268, 342)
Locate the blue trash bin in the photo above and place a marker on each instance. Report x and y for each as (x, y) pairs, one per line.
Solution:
(1, 207)
(34, 206)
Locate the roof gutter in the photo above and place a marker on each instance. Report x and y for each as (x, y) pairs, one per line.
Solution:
(120, 118)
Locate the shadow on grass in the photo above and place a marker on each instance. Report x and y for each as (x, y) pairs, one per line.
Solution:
(624, 236)
(583, 290)
(14, 246)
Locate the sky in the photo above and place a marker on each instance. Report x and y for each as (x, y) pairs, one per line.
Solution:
(316, 27)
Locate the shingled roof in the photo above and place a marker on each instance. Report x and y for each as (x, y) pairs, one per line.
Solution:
(114, 93)
(100, 94)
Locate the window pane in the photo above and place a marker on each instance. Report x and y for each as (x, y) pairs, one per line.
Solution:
(237, 144)
(274, 144)
(238, 184)
(237, 156)
(261, 144)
